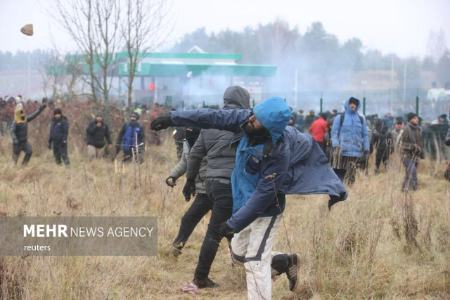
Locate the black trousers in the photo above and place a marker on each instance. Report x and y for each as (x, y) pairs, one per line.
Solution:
(26, 148)
(381, 156)
(219, 192)
(198, 209)
(60, 153)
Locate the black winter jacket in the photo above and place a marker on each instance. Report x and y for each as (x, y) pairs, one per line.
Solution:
(19, 131)
(59, 130)
(96, 136)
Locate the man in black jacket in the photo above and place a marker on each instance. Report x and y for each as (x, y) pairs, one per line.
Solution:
(219, 148)
(19, 131)
(97, 136)
(59, 131)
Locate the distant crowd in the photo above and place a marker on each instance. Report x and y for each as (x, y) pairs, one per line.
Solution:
(348, 138)
(130, 139)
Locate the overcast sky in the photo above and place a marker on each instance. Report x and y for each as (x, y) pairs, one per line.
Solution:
(400, 26)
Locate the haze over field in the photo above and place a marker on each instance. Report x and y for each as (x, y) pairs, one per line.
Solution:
(399, 26)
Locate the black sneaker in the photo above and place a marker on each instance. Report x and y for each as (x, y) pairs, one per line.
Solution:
(176, 248)
(204, 283)
(292, 273)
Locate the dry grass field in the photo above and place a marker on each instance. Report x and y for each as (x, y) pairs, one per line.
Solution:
(379, 244)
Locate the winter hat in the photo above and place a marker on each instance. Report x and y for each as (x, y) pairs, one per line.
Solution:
(411, 116)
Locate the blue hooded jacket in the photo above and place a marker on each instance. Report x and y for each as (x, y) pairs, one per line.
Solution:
(294, 165)
(352, 136)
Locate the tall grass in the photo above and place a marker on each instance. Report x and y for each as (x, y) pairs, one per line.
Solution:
(380, 243)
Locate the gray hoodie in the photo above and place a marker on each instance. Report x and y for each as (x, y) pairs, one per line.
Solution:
(218, 145)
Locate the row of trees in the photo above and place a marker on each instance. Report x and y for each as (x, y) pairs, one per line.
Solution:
(317, 56)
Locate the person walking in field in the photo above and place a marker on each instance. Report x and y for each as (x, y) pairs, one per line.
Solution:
(383, 141)
(98, 138)
(131, 140)
(272, 160)
(350, 140)
(412, 152)
(59, 132)
(19, 131)
(218, 147)
(319, 129)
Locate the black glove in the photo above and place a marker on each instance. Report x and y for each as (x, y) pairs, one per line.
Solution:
(335, 199)
(161, 123)
(225, 231)
(171, 181)
(50, 145)
(189, 189)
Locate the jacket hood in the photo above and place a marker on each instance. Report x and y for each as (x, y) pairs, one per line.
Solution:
(236, 97)
(274, 115)
(347, 105)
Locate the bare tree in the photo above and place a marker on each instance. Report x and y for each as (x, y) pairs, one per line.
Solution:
(74, 71)
(143, 29)
(52, 73)
(107, 40)
(94, 27)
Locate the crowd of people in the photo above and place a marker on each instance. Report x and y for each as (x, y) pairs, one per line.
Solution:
(348, 139)
(240, 163)
(98, 137)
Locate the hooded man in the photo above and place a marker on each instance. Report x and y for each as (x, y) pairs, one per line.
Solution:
(350, 140)
(59, 131)
(200, 206)
(412, 151)
(97, 137)
(131, 140)
(218, 147)
(272, 160)
(19, 132)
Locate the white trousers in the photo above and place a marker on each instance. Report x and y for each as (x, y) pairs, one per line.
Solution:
(253, 247)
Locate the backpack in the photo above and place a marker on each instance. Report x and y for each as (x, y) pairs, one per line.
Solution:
(129, 137)
(341, 121)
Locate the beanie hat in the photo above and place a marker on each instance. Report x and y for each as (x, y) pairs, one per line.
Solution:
(411, 116)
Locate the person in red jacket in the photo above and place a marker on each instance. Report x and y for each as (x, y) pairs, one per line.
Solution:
(319, 129)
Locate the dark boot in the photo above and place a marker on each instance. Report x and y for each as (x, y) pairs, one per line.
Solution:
(292, 273)
(284, 263)
(205, 283)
